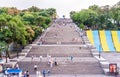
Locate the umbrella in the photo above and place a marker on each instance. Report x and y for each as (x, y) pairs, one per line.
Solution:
(10, 71)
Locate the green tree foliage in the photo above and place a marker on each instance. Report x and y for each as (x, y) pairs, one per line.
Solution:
(3, 47)
(21, 27)
(86, 17)
(96, 17)
(44, 13)
(71, 13)
(33, 9)
(3, 10)
(51, 12)
(30, 34)
(81, 26)
(28, 18)
(40, 20)
(37, 30)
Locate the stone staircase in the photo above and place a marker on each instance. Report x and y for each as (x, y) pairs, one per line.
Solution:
(84, 61)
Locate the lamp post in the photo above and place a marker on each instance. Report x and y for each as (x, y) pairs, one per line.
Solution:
(99, 52)
(6, 56)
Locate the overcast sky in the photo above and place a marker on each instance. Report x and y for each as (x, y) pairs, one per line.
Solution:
(63, 6)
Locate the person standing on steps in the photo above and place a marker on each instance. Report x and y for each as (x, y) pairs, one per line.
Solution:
(35, 67)
(31, 58)
(51, 62)
(55, 62)
(44, 73)
(71, 58)
(41, 58)
(48, 72)
(27, 73)
(17, 66)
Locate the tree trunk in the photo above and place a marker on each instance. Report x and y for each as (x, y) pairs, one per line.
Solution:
(8, 52)
(0, 55)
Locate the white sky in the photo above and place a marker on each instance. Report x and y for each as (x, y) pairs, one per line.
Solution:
(63, 6)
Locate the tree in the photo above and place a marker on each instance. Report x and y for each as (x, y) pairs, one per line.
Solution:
(51, 12)
(3, 10)
(71, 13)
(47, 20)
(96, 17)
(81, 26)
(94, 7)
(28, 18)
(38, 31)
(86, 17)
(33, 9)
(13, 11)
(115, 14)
(44, 13)
(3, 22)
(40, 20)
(3, 48)
(19, 30)
(30, 34)
(23, 26)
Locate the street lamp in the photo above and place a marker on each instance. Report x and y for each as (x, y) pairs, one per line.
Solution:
(99, 51)
(6, 56)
